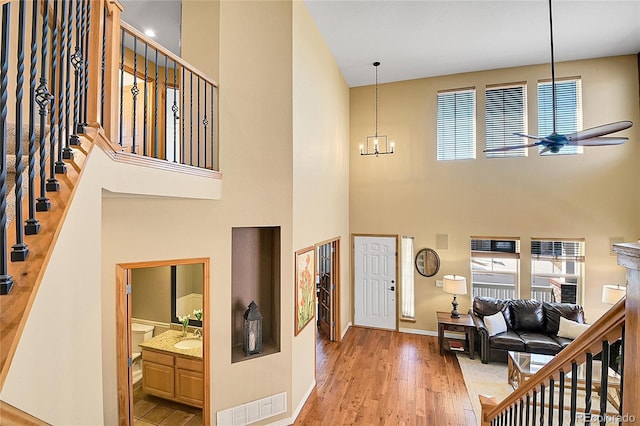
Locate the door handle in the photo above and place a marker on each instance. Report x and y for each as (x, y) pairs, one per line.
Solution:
(393, 288)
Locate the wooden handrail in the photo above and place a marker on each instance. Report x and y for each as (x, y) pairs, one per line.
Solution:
(137, 34)
(608, 327)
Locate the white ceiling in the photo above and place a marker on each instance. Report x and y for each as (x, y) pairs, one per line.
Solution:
(423, 38)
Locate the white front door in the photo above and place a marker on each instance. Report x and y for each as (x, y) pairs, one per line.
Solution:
(375, 282)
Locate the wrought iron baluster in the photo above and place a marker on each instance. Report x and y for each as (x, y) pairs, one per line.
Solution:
(174, 108)
(122, 37)
(588, 387)
(542, 387)
(52, 183)
(85, 72)
(526, 420)
(32, 226)
(145, 100)
(135, 91)
(102, 66)
(521, 412)
(205, 122)
(561, 400)
(551, 392)
(604, 381)
(67, 153)
(19, 251)
(6, 280)
(156, 153)
(83, 68)
(77, 63)
(182, 95)
(574, 393)
(60, 167)
(621, 371)
(43, 97)
(166, 101)
(535, 404)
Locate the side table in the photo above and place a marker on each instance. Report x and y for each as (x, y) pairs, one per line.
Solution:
(464, 324)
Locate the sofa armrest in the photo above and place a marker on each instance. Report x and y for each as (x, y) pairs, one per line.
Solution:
(481, 328)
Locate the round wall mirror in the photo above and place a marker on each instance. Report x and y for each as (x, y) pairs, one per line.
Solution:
(427, 262)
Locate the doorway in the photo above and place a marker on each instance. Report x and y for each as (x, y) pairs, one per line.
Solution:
(328, 255)
(375, 268)
(170, 377)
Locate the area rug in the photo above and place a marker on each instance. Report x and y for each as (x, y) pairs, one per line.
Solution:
(483, 379)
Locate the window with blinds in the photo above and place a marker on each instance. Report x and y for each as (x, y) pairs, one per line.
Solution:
(505, 113)
(457, 125)
(557, 269)
(569, 111)
(495, 267)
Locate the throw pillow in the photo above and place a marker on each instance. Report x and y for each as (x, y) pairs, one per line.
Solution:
(571, 329)
(495, 323)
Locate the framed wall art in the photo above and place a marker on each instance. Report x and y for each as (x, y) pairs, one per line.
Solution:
(305, 284)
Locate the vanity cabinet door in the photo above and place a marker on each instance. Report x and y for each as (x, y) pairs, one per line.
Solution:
(158, 374)
(189, 387)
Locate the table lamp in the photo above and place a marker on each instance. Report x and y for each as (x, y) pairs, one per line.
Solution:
(611, 293)
(454, 284)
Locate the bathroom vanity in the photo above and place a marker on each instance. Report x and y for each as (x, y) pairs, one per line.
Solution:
(172, 368)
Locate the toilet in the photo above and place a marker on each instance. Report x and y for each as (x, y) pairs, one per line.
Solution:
(139, 333)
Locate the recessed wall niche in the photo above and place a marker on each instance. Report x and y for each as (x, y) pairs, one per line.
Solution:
(255, 276)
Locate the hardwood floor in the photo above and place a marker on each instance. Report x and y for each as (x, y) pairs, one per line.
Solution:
(376, 377)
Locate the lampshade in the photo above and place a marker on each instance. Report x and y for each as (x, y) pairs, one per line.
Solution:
(454, 284)
(611, 293)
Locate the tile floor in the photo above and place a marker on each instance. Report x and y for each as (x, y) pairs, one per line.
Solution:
(150, 410)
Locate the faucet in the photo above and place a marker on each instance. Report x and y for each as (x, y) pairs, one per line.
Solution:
(197, 333)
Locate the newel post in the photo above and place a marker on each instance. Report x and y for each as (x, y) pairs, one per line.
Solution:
(487, 403)
(94, 61)
(112, 67)
(629, 257)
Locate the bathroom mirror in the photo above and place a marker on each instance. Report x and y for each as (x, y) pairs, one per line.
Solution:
(186, 292)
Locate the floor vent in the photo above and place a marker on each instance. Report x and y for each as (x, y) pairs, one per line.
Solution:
(253, 411)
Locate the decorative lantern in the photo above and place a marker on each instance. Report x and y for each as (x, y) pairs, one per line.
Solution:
(252, 341)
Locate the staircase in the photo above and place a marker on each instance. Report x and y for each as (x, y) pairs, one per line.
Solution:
(62, 65)
(555, 396)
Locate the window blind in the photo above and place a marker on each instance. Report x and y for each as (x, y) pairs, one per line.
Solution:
(557, 250)
(456, 125)
(569, 110)
(505, 113)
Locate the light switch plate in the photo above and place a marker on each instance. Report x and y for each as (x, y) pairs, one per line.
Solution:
(438, 283)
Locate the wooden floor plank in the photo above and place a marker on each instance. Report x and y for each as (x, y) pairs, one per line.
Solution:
(379, 377)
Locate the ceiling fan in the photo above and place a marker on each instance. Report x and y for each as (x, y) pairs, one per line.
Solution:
(594, 136)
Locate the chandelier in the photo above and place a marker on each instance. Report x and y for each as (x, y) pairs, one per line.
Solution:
(377, 144)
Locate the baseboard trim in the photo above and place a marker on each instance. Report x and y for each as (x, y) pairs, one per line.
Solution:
(344, 330)
(294, 416)
(418, 331)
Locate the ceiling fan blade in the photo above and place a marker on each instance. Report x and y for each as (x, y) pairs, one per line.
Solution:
(599, 141)
(524, 135)
(594, 132)
(509, 148)
(546, 148)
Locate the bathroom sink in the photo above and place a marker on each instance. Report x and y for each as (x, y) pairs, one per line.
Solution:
(188, 344)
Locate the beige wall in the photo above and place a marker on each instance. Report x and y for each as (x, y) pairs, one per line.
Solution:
(320, 170)
(594, 196)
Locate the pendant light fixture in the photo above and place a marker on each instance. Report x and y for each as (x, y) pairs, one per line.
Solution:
(377, 144)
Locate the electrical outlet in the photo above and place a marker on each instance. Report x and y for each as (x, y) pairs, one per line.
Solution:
(438, 283)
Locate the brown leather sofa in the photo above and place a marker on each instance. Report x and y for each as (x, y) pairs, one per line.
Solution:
(532, 326)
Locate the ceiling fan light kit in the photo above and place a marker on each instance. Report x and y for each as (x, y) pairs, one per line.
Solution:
(594, 136)
(377, 144)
